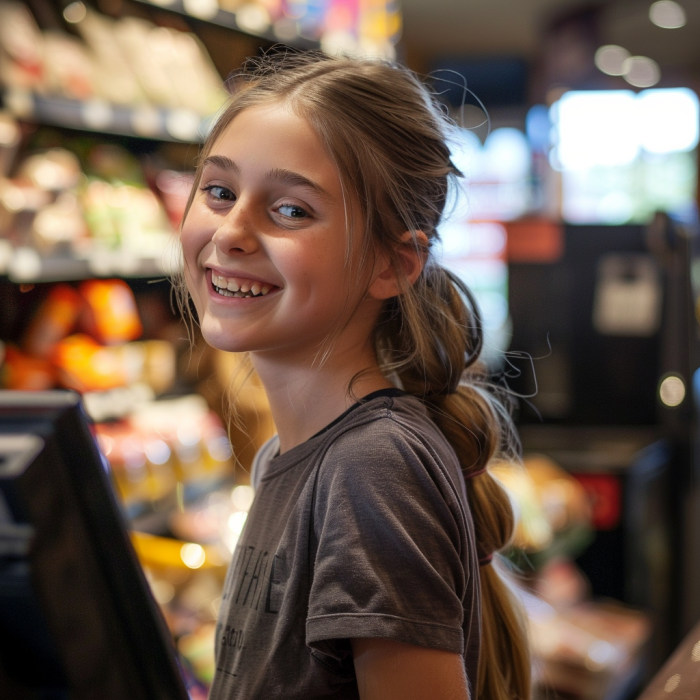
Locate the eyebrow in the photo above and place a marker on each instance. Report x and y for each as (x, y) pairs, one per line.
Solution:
(221, 162)
(281, 174)
(298, 180)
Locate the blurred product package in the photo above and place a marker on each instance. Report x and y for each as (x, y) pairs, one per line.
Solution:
(128, 61)
(81, 338)
(59, 206)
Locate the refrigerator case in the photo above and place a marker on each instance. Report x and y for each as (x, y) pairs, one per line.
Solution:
(611, 328)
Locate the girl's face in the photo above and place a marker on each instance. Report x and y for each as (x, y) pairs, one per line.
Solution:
(265, 240)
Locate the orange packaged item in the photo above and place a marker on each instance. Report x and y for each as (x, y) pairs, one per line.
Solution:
(55, 319)
(84, 365)
(113, 317)
(20, 372)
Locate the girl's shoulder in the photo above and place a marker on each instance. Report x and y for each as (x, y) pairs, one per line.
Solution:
(384, 438)
(391, 440)
(391, 424)
(262, 459)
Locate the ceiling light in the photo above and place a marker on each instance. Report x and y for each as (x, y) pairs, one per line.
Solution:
(641, 71)
(610, 58)
(667, 14)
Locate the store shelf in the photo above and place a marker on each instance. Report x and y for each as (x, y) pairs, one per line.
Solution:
(152, 518)
(284, 32)
(180, 125)
(25, 265)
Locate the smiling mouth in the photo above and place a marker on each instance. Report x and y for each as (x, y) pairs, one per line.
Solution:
(239, 287)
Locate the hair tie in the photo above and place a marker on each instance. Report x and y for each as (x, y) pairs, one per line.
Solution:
(486, 560)
(478, 472)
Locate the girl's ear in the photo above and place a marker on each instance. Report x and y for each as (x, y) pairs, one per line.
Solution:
(411, 254)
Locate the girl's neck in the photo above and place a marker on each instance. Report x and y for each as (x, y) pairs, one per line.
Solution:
(304, 397)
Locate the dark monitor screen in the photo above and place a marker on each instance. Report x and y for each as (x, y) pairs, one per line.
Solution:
(77, 619)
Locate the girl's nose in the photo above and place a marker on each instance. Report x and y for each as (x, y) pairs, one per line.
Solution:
(237, 232)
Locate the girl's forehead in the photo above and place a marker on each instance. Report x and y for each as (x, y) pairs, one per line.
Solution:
(274, 136)
(268, 120)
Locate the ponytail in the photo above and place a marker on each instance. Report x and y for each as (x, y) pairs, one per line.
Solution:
(430, 337)
(467, 421)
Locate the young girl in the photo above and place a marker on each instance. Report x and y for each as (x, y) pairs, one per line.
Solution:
(365, 567)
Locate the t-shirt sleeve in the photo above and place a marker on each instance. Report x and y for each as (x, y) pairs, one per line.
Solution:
(390, 538)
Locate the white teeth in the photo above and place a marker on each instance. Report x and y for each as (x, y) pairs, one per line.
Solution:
(230, 286)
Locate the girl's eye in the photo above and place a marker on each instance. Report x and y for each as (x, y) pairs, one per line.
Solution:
(219, 193)
(292, 211)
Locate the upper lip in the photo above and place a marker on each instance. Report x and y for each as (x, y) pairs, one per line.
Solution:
(240, 275)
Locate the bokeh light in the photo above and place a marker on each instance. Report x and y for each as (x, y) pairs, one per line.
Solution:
(672, 391)
(610, 59)
(641, 71)
(75, 12)
(667, 14)
(242, 497)
(192, 555)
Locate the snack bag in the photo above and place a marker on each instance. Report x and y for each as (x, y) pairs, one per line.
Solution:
(112, 316)
(20, 372)
(84, 365)
(55, 320)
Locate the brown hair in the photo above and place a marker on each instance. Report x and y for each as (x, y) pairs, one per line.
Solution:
(388, 138)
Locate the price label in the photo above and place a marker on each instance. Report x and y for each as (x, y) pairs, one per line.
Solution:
(627, 296)
(146, 121)
(204, 9)
(97, 114)
(183, 124)
(25, 265)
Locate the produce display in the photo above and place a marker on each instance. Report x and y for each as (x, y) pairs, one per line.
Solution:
(79, 339)
(128, 61)
(92, 201)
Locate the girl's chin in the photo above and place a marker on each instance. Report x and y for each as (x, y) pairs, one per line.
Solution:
(224, 340)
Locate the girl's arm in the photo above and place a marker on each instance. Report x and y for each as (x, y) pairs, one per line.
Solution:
(388, 670)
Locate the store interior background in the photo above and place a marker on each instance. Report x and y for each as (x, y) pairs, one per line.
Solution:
(575, 224)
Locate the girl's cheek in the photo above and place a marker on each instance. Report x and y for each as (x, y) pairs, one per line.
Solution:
(188, 255)
(193, 236)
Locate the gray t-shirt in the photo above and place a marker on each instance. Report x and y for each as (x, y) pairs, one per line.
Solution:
(361, 531)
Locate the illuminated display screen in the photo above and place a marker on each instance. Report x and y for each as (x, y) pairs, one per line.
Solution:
(624, 155)
(496, 187)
